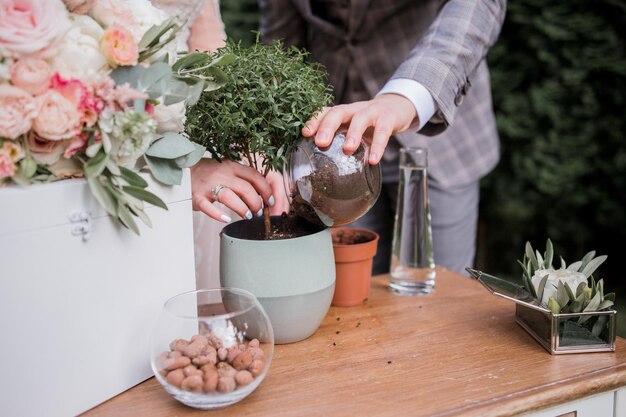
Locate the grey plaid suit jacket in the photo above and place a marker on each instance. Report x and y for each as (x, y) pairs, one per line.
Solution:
(441, 44)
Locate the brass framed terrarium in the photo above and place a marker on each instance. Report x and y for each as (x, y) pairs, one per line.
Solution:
(558, 333)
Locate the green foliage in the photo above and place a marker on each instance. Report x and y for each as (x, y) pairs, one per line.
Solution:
(271, 93)
(558, 78)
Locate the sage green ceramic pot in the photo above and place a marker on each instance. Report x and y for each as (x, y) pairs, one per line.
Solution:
(293, 279)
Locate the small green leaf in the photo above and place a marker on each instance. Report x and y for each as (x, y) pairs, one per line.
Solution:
(126, 218)
(145, 195)
(542, 287)
(592, 265)
(96, 165)
(605, 304)
(581, 287)
(549, 254)
(575, 266)
(561, 295)
(563, 264)
(554, 306)
(27, 167)
(92, 150)
(531, 256)
(104, 197)
(112, 167)
(132, 178)
(588, 257)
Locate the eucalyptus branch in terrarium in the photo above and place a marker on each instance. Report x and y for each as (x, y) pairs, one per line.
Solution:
(260, 113)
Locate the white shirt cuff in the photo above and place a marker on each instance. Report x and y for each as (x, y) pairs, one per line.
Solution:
(417, 94)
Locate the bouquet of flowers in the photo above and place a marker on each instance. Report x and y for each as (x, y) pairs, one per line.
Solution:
(98, 90)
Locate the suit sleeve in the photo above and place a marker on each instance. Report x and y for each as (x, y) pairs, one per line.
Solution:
(280, 19)
(451, 49)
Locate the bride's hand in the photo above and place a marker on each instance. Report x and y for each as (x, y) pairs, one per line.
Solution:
(242, 189)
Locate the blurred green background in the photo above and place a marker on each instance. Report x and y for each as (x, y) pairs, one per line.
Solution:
(559, 89)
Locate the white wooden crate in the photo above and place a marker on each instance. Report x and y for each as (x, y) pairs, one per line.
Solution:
(76, 316)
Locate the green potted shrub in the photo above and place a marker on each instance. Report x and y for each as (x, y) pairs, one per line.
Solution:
(256, 118)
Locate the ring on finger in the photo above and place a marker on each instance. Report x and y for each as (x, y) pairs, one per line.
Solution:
(216, 191)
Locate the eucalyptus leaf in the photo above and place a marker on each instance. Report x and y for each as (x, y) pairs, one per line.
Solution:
(164, 170)
(191, 60)
(152, 75)
(171, 146)
(127, 75)
(191, 158)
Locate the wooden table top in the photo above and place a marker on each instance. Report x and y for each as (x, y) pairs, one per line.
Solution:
(455, 352)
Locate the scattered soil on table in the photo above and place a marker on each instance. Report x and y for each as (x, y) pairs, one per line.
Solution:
(282, 227)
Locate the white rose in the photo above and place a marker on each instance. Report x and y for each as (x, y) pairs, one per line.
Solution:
(570, 278)
(137, 16)
(79, 53)
(170, 118)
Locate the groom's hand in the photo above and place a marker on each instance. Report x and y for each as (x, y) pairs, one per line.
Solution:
(373, 121)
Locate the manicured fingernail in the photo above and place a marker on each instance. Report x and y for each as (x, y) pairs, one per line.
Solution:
(259, 213)
(322, 137)
(272, 201)
(373, 158)
(248, 214)
(225, 218)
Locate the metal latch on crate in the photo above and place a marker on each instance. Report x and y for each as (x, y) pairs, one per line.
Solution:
(81, 224)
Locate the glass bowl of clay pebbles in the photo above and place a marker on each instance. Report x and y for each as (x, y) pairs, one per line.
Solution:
(212, 348)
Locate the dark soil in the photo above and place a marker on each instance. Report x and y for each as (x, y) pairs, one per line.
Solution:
(339, 199)
(351, 237)
(283, 227)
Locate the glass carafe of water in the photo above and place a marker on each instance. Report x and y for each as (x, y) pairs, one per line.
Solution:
(412, 262)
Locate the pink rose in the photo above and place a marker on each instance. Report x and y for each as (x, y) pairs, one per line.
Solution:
(7, 166)
(31, 27)
(119, 47)
(17, 111)
(32, 75)
(58, 118)
(45, 151)
(14, 150)
(81, 96)
(78, 6)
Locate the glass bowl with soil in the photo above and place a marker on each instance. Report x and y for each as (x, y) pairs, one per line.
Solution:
(211, 348)
(328, 187)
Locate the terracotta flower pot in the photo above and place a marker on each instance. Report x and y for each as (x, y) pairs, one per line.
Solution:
(354, 251)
